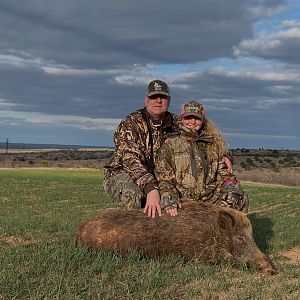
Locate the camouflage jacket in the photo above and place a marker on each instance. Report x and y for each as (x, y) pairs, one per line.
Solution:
(190, 166)
(133, 150)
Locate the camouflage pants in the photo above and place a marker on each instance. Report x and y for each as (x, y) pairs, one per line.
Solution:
(122, 188)
(242, 204)
(233, 196)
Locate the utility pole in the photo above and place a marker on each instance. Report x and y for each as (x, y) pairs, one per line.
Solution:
(6, 146)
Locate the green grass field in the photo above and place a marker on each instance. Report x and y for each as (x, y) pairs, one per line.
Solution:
(41, 209)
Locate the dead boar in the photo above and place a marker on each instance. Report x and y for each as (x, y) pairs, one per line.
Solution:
(200, 230)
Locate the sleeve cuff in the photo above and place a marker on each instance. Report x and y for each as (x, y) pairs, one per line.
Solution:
(149, 187)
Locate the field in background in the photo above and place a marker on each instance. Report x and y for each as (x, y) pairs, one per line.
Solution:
(41, 209)
(268, 166)
(285, 176)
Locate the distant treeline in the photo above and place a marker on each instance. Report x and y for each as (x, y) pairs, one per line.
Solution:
(236, 151)
(46, 146)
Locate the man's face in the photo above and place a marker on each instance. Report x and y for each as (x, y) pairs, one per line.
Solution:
(157, 105)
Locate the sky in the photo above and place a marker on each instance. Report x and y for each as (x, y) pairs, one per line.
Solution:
(71, 70)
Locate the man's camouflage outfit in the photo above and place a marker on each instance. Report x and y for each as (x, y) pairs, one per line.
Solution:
(189, 166)
(129, 175)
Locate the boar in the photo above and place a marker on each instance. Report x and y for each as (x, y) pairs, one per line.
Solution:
(200, 230)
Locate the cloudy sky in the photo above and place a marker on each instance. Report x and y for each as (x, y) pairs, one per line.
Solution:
(70, 70)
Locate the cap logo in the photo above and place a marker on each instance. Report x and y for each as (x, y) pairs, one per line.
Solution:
(157, 86)
(193, 109)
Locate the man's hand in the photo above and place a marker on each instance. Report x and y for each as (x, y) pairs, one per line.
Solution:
(153, 204)
(228, 163)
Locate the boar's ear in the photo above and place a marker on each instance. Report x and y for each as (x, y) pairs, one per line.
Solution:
(226, 220)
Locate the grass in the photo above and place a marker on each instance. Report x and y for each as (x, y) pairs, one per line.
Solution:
(41, 209)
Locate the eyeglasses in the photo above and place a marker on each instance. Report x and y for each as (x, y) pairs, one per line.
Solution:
(161, 96)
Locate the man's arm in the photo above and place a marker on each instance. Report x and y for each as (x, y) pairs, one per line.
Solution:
(130, 141)
(130, 144)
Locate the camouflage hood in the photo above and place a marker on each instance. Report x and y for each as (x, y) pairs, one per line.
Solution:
(194, 135)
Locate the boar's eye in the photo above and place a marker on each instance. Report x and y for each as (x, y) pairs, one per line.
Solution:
(240, 239)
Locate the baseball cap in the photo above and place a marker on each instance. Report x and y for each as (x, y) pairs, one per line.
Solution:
(193, 108)
(157, 87)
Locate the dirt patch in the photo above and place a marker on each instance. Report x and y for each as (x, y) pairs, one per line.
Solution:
(14, 241)
(293, 255)
(31, 197)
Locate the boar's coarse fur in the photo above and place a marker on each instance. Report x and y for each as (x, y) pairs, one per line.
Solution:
(199, 230)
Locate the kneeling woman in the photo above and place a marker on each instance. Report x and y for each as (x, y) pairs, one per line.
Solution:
(190, 166)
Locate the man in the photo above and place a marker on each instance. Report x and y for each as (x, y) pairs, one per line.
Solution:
(129, 176)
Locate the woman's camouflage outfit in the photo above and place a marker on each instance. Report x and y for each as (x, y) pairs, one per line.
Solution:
(189, 166)
(129, 175)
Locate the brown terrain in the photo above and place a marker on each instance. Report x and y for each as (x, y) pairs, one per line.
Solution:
(262, 165)
(55, 158)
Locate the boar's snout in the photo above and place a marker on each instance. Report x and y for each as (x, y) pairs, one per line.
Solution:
(267, 266)
(245, 249)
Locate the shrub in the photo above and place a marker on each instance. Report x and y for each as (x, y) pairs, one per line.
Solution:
(245, 166)
(249, 161)
(45, 163)
(257, 158)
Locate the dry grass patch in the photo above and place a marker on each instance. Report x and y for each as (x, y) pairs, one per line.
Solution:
(293, 255)
(235, 285)
(31, 197)
(14, 241)
(286, 177)
(265, 208)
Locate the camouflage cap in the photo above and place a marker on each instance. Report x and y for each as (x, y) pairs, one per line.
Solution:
(193, 108)
(158, 87)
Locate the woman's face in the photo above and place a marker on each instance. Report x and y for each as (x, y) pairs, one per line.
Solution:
(192, 122)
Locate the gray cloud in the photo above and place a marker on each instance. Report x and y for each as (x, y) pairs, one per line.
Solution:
(282, 45)
(106, 33)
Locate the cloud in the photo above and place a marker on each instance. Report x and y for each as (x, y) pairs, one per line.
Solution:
(4, 104)
(82, 123)
(105, 53)
(261, 136)
(282, 45)
(98, 34)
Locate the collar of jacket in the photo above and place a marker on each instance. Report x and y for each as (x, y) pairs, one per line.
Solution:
(167, 121)
(194, 135)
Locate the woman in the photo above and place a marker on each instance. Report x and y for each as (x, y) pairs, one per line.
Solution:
(189, 165)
